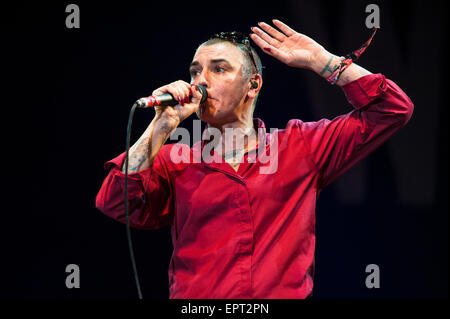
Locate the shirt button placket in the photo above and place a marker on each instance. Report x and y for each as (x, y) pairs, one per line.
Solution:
(246, 240)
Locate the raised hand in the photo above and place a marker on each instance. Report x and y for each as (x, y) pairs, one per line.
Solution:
(288, 46)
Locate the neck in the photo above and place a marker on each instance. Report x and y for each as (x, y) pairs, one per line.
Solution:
(240, 136)
(242, 124)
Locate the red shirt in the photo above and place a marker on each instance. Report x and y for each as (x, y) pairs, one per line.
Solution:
(246, 234)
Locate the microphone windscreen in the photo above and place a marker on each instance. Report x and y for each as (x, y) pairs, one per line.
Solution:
(204, 93)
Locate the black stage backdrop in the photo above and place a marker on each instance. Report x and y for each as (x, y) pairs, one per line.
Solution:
(68, 92)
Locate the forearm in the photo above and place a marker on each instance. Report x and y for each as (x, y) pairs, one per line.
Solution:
(325, 63)
(144, 151)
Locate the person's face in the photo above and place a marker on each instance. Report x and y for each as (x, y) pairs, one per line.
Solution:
(219, 68)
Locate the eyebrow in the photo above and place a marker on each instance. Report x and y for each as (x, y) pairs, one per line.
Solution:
(214, 61)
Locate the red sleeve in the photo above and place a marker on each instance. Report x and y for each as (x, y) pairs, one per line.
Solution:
(149, 194)
(381, 108)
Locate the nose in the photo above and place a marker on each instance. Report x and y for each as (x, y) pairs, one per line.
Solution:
(200, 80)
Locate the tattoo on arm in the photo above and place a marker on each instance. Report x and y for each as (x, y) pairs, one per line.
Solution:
(138, 156)
(137, 161)
(327, 67)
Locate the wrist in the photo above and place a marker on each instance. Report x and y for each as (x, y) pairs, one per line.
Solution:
(325, 63)
(165, 124)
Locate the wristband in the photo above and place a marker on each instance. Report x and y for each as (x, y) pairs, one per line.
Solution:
(348, 59)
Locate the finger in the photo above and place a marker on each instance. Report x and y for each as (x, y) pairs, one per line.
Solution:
(170, 88)
(192, 105)
(158, 91)
(183, 87)
(260, 42)
(178, 94)
(191, 90)
(269, 49)
(286, 30)
(265, 36)
(266, 47)
(272, 31)
(196, 94)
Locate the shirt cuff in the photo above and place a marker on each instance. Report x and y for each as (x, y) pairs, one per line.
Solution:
(364, 90)
(117, 163)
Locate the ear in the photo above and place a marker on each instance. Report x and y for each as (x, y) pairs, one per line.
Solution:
(255, 84)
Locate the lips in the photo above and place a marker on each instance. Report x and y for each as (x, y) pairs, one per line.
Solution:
(208, 98)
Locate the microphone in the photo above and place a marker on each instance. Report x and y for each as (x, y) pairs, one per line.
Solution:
(167, 99)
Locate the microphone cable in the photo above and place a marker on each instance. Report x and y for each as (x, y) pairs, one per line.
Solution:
(204, 93)
(130, 244)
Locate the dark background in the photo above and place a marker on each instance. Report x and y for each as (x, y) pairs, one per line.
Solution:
(67, 94)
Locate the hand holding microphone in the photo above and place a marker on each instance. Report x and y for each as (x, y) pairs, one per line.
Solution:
(168, 99)
(174, 102)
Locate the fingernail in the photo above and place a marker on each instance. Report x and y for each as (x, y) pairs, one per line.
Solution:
(190, 92)
(268, 49)
(186, 99)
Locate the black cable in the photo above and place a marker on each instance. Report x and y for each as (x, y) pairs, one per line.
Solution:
(204, 93)
(130, 244)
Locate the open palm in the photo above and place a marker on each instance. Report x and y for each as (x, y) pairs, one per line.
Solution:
(290, 47)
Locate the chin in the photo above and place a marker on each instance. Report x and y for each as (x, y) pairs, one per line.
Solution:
(207, 118)
(210, 115)
(205, 113)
